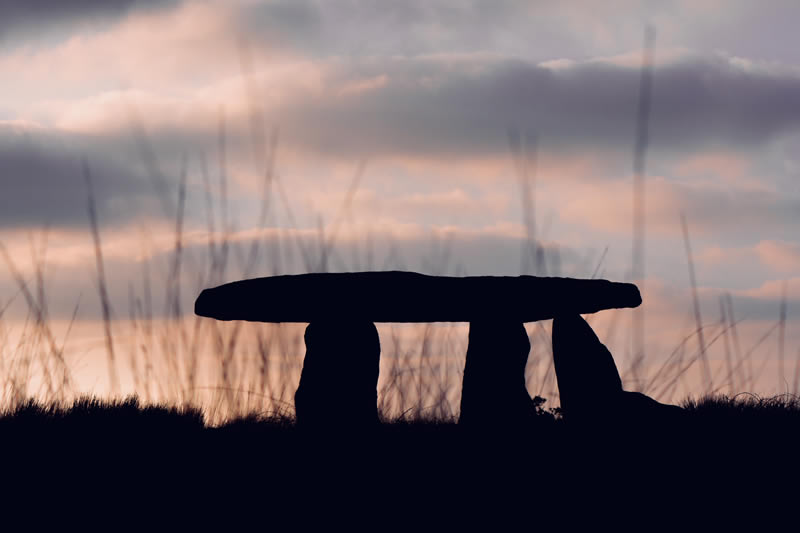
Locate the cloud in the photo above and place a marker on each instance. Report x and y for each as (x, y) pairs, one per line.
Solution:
(167, 51)
(445, 101)
(781, 256)
(356, 27)
(43, 183)
(24, 20)
(717, 256)
(536, 30)
(711, 208)
(714, 164)
(445, 106)
(764, 302)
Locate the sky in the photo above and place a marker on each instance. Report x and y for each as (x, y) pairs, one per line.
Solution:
(388, 127)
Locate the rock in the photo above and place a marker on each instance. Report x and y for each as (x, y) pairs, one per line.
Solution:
(410, 297)
(638, 406)
(589, 383)
(339, 380)
(493, 392)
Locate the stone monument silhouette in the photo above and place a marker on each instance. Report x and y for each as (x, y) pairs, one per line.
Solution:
(339, 379)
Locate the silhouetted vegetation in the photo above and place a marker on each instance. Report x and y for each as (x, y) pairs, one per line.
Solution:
(117, 426)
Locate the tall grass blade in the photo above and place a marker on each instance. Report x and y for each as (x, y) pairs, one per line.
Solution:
(102, 287)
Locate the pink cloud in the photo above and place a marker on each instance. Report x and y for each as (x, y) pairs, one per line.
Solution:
(778, 256)
(726, 165)
(781, 256)
(774, 290)
(715, 256)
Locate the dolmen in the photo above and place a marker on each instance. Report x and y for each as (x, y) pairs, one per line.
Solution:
(338, 383)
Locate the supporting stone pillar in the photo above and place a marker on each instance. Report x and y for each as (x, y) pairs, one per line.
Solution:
(339, 381)
(589, 383)
(493, 391)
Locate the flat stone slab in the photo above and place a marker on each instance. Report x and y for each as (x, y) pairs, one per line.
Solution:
(410, 297)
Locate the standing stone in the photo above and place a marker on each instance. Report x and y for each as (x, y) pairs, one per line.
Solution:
(493, 392)
(588, 380)
(338, 384)
(589, 383)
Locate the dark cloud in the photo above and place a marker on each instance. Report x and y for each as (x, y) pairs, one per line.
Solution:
(752, 213)
(464, 105)
(43, 183)
(23, 21)
(367, 27)
(457, 107)
(534, 30)
(763, 308)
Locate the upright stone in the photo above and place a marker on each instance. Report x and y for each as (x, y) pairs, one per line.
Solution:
(338, 384)
(493, 391)
(589, 383)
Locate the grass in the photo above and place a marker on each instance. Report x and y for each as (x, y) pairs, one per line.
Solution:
(720, 436)
(87, 418)
(130, 415)
(748, 414)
